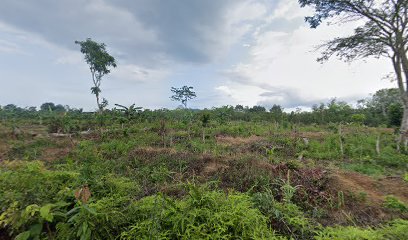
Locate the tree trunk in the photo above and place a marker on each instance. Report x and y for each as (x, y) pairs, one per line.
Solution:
(400, 63)
(97, 84)
(404, 128)
(404, 122)
(97, 102)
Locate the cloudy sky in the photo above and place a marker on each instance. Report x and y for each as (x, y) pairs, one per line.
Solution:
(232, 52)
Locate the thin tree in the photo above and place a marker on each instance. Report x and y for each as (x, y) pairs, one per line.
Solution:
(99, 62)
(383, 33)
(183, 95)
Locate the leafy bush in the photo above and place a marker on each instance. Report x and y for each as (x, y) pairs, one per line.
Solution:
(365, 168)
(102, 219)
(285, 217)
(202, 215)
(395, 230)
(29, 194)
(347, 233)
(394, 203)
(392, 159)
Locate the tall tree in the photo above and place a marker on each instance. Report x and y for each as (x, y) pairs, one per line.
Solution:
(183, 94)
(257, 109)
(48, 106)
(51, 107)
(383, 33)
(99, 62)
(383, 99)
(276, 112)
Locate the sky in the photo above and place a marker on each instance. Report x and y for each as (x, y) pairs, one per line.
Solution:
(248, 52)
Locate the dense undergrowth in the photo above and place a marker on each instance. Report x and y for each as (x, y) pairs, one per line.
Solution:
(182, 179)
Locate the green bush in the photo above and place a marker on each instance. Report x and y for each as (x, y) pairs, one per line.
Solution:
(285, 217)
(365, 168)
(392, 159)
(395, 230)
(347, 233)
(202, 215)
(394, 203)
(28, 189)
(102, 219)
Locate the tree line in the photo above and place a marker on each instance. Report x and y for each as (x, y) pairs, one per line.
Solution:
(381, 109)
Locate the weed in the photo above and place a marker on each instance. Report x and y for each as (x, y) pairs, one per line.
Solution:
(340, 199)
(395, 204)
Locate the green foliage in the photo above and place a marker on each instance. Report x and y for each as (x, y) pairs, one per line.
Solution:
(99, 62)
(395, 113)
(202, 215)
(390, 158)
(285, 217)
(136, 170)
(394, 203)
(80, 223)
(38, 220)
(96, 57)
(51, 107)
(30, 183)
(347, 233)
(183, 94)
(205, 119)
(365, 168)
(29, 151)
(327, 149)
(64, 124)
(358, 118)
(24, 188)
(395, 230)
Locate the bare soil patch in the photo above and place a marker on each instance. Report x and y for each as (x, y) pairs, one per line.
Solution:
(364, 199)
(375, 189)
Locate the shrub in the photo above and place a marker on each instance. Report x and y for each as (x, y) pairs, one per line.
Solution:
(394, 203)
(395, 230)
(29, 194)
(285, 217)
(202, 215)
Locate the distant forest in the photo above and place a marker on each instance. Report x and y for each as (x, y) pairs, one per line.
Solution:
(384, 108)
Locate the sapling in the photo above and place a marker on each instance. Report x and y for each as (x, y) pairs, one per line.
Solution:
(205, 119)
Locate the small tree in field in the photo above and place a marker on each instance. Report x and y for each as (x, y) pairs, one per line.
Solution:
(183, 94)
(99, 62)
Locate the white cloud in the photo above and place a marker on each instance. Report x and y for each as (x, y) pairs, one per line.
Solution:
(285, 61)
(246, 11)
(9, 47)
(69, 57)
(135, 73)
(288, 10)
(224, 89)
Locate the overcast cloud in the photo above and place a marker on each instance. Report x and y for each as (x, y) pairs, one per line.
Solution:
(232, 51)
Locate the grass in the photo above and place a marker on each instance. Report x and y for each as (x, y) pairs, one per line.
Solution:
(152, 178)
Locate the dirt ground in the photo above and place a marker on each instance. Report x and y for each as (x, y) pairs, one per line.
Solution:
(376, 189)
(364, 198)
